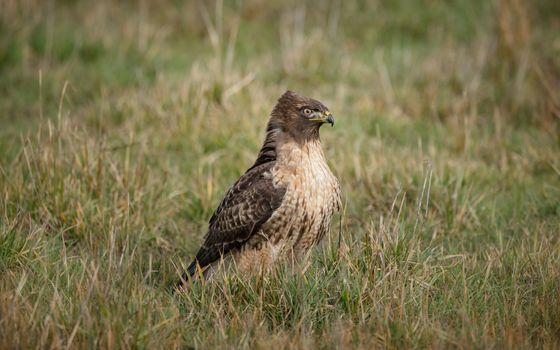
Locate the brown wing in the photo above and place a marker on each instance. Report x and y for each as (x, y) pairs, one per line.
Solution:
(247, 205)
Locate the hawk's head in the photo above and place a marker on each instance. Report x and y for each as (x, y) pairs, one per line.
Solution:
(300, 116)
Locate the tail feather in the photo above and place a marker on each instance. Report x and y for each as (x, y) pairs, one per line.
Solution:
(187, 276)
(191, 269)
(203, 259)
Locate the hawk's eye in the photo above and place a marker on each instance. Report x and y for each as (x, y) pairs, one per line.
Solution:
(307, 111)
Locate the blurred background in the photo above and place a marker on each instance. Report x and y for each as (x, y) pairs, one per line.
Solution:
(122, 124)
(186, 83)
(434, 60)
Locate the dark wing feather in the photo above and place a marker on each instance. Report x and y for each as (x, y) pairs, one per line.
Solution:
(247, 205)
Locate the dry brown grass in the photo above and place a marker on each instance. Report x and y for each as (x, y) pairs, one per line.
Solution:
(125, 123)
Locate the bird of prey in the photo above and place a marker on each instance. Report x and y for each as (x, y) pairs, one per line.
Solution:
(282, 206)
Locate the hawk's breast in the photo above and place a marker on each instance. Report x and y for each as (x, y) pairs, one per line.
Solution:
(312, 197)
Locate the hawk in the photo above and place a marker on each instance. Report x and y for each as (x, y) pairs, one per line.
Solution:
(282, 206)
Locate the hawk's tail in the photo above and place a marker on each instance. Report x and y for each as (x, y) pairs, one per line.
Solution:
(187, 276)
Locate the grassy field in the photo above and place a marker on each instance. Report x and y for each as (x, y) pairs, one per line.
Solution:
(123, 124)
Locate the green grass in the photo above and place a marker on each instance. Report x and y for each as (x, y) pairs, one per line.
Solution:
(123, 124)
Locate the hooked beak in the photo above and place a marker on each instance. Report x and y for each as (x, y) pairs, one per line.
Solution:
(325, 118)
(329, 118)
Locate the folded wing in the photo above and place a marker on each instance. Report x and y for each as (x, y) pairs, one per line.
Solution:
(247, 205)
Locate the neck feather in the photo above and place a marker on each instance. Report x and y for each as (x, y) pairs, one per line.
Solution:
(276, 137)
(268, 150)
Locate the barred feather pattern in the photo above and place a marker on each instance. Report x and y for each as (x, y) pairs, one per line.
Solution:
(280, 208)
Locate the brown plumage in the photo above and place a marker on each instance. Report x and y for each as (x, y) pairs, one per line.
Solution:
(283, 204)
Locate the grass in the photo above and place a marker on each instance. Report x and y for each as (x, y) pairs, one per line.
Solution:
(124, 123)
